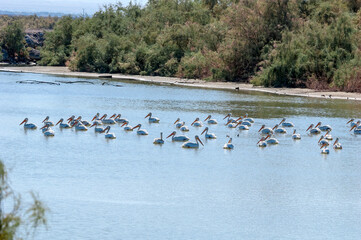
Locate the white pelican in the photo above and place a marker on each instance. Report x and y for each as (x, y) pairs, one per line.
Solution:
(47, 131)
(323, 141)
(271, 140)
(108, 120)
(79, 126)
(192, 144)
(336, 144)
(266, 130)
(229, 116)
(109, 135)
(28, 125)
(247, 119)
(286, 124)
(325, 149)
(279, 130)
(152, 119)
(127, 127)
(296, 136)
(120, 120)
(211, 121)
(181, 138)
(159, 140)
(140, 131)
(62, 124)
(46, 121)
(97, 128)
(328, 136)
(356, 131)
(197, 123)
(242, 126)
(324, 127)
(96, 117)
(228, 145)
(208, 135)
(314, 130)
(178, 123)
(231, 124)
(262, 142)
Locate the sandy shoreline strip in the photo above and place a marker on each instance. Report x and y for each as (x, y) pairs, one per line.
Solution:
(302, 92)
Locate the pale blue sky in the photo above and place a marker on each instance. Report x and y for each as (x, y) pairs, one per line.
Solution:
(64, 6)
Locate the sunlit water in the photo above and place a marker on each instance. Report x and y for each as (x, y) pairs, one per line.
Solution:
(128, 188)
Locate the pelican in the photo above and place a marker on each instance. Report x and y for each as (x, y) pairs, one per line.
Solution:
(336, 144)
(97, 120)
(192, 144)
(84, 122)
(209, 135)
(353, 123)
(120, 120)
(79, 126)
(159, 140)
(279, 130)
(323, 141)
(140, 131)
(325, 149)
(266, 130)
(181, 138)
(242, 126)
(356, 131)
(296, 136)
(231, 124)
(96, 117)
(262, 142)
(197, 123)
(211, 121)
(314, 130)
(127, 127)
(63, 125)
(106, 120)
(47, 131)
(229, 116)
(108, 135)
(328, 136)
(271, 140)
(152, 119)
(247, 119)
(228, 145)
(46, 121)
(71, 120)
(97, 128)
(178, 123)
(28, 125)
(324, 127)
(286, 124)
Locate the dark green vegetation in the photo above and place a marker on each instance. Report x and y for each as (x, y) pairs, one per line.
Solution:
(281, 43)
(18, 221)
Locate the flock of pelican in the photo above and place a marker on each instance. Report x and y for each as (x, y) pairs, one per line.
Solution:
(102, 124)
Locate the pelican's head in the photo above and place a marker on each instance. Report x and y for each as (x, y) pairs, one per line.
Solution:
(239, 123)
(71, 118)
(320, 139)
(246, 115)
(294, 131)
(310, 127)
(125, 123)
(96, 116)
(46, 119)
(336, 141)
(93, 125)
(327, 133)
(351, 120)
(118, 116)
(209, 117)
(262, 127)
(178, 119)
(283, 120)
(138, 126)
(45, 126)
(172, 134)
(24, 121)
(197, 119)
(230, 140)
(228, 116)
(275, 127)
(261, 140)
(229, 121)
(323, 145)
(198, 140)
(113, 115)
(104, 116)
(318, 124)
(106, 129)
(354, 126)
(79, 118)
(60, 121)
(149, 115)
(240, 118)
(205, 130)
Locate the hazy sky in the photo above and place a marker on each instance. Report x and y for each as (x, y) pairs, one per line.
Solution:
(64, 6)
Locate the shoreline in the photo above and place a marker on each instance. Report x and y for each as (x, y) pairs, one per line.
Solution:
(298, 92)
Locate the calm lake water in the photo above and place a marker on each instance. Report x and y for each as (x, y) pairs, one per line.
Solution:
(128, 188)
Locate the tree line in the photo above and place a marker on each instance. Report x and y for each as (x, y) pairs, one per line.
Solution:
(279, 43)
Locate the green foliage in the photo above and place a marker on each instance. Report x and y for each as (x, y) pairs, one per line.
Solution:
(17, 218)
(12, 39)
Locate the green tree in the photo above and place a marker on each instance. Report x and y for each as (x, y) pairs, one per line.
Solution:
(12, 39)
(18, 218)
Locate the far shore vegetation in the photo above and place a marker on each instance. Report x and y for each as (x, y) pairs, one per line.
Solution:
(279, 43)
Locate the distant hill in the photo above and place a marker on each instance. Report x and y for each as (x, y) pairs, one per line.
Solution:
(39, 14)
